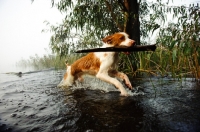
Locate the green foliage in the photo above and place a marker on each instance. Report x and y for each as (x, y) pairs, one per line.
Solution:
(88, 18)
(182, 38)
(87, 21)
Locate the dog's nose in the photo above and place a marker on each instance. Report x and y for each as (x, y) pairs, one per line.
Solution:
(131, 42)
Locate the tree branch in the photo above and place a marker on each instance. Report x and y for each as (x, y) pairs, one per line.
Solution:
(126, 5)
(126, 15)
(113, 15)
(122, 6)
(121, 49)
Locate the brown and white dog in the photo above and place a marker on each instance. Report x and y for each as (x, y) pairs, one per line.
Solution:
(101, 64)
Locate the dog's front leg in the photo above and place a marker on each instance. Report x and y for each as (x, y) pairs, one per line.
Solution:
(105, 77)
(123, 76)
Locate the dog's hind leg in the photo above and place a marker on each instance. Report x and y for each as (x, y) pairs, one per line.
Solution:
(68, 79)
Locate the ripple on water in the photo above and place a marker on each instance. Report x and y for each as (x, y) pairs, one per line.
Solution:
(34, 103)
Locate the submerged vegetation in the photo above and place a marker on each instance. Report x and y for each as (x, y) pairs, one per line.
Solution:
(178, 41)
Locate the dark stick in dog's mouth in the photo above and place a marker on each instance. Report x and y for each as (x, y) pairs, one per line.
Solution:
(120, 49)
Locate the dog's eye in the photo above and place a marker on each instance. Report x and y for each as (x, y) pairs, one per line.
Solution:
(109, 41)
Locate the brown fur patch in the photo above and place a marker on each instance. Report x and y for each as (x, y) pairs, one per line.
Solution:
(89, 64)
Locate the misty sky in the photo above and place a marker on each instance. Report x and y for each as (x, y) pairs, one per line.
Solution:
(21, 23)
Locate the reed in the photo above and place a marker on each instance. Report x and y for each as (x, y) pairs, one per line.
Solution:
(47, 61)
(164, 62)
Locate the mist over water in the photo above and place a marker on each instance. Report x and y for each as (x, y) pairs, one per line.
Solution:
(8, 72)
(12, 67)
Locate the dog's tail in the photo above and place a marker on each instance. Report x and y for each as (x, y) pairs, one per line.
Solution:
(66, 63)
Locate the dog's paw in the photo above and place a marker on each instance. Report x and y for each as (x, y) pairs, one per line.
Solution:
(129, 85)
(124, 94)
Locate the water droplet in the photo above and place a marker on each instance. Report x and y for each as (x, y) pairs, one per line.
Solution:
(16, 124)
(89, 130)
(13, 115)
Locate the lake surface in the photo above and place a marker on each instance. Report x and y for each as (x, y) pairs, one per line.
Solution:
(33, 103)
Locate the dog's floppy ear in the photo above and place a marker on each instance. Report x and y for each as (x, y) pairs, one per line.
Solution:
(107, 39)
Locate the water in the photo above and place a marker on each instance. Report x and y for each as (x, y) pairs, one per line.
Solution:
(33, 103)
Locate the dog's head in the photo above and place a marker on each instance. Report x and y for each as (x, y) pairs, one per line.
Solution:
(118, 39)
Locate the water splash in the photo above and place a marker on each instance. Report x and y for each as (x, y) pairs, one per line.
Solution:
(93, 83)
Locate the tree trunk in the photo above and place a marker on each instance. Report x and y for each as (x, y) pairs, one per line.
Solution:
(132, 25)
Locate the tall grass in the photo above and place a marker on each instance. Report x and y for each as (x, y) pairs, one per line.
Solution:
(47, 61)
(163, 62)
